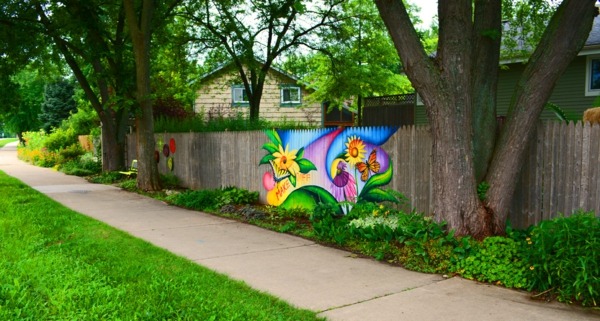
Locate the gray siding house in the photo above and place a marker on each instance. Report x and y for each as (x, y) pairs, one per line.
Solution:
(575, 91)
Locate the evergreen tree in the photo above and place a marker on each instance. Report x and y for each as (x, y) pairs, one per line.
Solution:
(58, 104)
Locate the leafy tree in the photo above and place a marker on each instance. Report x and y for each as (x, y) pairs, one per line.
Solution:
(89, 37)
(58, 104)
(21, 101)
(458, 88)
(358, 59)
(255, 33)
(140, 18)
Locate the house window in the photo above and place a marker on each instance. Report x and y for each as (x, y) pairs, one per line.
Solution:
(592, 82)
(239, 96)
(290, 95)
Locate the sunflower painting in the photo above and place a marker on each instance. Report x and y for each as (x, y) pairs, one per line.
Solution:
(331, 166)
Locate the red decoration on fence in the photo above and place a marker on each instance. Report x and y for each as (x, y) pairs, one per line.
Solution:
(172, 145)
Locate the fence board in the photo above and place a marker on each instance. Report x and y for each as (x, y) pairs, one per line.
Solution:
(561, 172)
(594, 177)
(585, 168)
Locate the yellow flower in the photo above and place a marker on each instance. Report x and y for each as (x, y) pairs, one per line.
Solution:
(286, 160)
(355, 150)
(531, 268)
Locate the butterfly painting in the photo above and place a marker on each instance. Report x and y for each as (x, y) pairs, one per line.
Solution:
(371, 165)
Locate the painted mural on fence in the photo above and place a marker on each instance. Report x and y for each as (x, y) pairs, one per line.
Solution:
(337, 166)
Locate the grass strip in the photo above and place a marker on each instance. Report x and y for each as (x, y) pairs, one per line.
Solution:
(57, 264)
(4, 141)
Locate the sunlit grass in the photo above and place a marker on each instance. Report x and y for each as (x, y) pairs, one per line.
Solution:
(57, 264)
(4, 141)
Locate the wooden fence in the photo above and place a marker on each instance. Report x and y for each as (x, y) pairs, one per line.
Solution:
(560, 175)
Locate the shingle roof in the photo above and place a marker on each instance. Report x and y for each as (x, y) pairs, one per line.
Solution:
(594, 37)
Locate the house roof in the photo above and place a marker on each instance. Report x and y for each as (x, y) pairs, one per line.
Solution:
(229, 63)
(594, 37)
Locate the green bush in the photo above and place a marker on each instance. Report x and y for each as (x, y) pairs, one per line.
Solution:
(70, 153)
(564, 258)
(61, 138)
(497, 259)
(84, 165)
(218, 124)
(106, 178)
(196, 200)
(169, 181)
(212, 200)
(236, 196)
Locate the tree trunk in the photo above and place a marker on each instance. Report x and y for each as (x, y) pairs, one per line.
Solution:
(113, 150)
(460, 102)
(487, 29)
(147, 177)
(572, 21)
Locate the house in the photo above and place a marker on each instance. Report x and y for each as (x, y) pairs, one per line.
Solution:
(344, 116)
(222, 94)
(575, 91)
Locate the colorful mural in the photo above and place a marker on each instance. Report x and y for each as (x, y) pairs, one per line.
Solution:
(337, 166)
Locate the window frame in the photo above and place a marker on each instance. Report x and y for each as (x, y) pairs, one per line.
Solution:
(589, 73)
(239, 103)
(289, 103)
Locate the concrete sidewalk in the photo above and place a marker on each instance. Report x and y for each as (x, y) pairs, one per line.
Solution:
(332, 282)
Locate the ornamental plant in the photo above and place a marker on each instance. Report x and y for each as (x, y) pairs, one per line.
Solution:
(563, 256)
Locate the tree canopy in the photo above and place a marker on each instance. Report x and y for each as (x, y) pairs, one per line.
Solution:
(255, 33)
(58, 104)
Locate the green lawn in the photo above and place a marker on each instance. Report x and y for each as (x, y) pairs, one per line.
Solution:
(57, 264)
(4, 141)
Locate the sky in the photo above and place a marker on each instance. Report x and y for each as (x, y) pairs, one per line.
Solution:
(428, 10)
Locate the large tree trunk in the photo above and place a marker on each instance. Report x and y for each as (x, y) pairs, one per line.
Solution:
(572, 22)
(487, 30)
(148, 177)
(112, 149)
(445, 86)
(460, 102)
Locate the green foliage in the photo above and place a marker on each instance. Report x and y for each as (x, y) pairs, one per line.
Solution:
(169, 181)
(22, 95)
(563, 256)
(58, 104)
(237, 196)
(524, 17)
(497, 259)
(83, 122)
(60, 265)
(358, 60)
(84, 165)
(212, 200)
(237, 123)
(482, 189)
(560, 113)
(129, 184)
(106, 178)
(60, 138)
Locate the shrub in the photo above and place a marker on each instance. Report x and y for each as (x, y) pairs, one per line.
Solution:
(211, 200)
(563, 258)
(196, 200)
(85, 165)
(234, 195)
(497, 259)
(61, 138)
(106, 178)
(169, 181)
